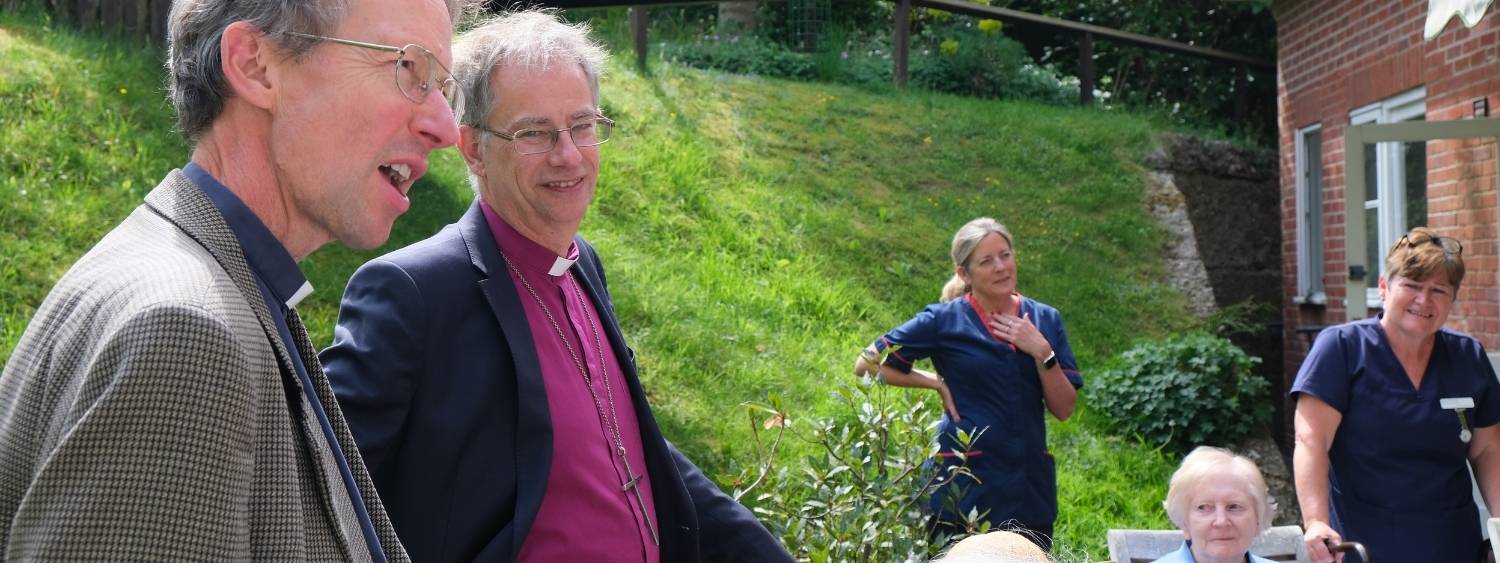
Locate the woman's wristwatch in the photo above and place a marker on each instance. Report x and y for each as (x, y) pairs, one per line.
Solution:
(1050, 361)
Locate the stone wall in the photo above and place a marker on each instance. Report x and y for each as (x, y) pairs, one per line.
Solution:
(1221, 206)
(1232, 199)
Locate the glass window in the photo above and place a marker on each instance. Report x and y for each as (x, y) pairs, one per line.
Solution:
(1414, 160)
(1396, 182)
(1372, 215)
(1309, 147)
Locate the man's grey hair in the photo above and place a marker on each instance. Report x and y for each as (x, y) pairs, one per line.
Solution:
(195, 77)
(531, 39)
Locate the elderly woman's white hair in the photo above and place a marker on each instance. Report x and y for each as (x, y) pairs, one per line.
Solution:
(1204, 462)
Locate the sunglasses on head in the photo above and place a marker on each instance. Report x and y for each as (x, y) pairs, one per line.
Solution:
(1449, 245)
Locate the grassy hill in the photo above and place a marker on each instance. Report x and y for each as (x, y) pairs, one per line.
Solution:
(756, 233)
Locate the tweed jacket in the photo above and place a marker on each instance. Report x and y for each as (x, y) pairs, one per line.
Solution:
(150, 411)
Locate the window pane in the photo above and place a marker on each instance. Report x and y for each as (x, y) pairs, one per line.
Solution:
(1372, 214)
(1372, 246)
(1314, 220)
(1415, 157)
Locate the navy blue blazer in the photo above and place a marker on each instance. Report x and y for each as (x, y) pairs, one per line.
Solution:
(435, 369)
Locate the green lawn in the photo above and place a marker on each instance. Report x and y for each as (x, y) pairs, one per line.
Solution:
(756, 233)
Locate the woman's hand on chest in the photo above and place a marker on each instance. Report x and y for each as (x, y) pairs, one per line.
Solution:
(1020, 332)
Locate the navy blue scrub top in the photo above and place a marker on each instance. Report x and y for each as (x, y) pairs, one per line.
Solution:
(1398, 479)
(994, 386)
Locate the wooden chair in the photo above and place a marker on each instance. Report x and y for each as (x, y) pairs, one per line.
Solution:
(1280, 543)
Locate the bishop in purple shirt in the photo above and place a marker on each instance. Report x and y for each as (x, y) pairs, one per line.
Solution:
(483, 371)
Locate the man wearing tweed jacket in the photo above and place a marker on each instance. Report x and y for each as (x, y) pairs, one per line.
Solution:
(164, 403)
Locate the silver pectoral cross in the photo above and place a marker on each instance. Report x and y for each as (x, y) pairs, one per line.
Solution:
(633, 486)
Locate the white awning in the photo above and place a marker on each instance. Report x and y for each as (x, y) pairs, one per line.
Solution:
(1440, 11)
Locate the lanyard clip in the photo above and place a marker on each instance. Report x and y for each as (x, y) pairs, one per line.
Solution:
(1459, 405)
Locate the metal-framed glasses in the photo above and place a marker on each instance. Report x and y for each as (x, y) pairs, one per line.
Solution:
(589, 133)
(1449, 245)
(416, 68)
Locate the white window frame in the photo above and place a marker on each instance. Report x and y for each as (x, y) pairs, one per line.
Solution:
(1390, 181)
(1309, 240)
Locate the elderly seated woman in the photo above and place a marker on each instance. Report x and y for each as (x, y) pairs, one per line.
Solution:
(1219, 501)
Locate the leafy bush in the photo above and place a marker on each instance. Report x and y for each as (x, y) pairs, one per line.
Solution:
(1189, 89)
(743, 54)
(979, 61)
(949, 53)
(863, 495)
(1185, 391)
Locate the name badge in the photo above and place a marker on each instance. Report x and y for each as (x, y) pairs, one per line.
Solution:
(1459, 405)
(1451, 403)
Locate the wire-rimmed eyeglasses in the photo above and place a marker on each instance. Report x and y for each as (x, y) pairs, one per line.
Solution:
(589, 133)
(1449, 245)
(416, 68)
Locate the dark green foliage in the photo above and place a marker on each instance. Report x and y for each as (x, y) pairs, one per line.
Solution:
(966, 60)
(743, 55)
(1246, 318)
(774, 19)
(955, 57)
(1190, 89)
(1188, 390)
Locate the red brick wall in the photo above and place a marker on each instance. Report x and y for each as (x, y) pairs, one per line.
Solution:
(1335, 56)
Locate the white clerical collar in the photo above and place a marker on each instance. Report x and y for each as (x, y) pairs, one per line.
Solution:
(560, 266)
(302, 292)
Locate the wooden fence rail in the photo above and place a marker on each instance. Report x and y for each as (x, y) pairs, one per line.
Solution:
(1085, 33)
(149, 18)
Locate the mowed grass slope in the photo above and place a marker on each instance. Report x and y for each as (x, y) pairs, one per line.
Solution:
(756, 233)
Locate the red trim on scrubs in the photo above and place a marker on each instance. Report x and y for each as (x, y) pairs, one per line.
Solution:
(984, 318)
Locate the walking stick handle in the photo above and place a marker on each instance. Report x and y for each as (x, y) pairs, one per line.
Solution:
(1353, 546)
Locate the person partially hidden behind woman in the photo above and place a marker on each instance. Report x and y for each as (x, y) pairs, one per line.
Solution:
(1389, 409)
(1219, 501)
(1002, 357)
(995, 547)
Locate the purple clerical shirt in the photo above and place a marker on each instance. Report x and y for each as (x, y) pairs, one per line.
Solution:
(585, 516)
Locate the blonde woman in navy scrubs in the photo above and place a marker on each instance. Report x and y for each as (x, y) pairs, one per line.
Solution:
(1003, 357)
(1388, 411)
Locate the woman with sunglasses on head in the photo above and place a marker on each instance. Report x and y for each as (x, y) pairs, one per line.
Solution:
(1003, 357)
(1389, 409)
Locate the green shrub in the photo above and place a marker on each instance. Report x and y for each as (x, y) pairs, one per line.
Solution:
(964, 59)
(1185, 89)
(863, 495)
(953, 54)
(743, 54)
(1188, 390)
